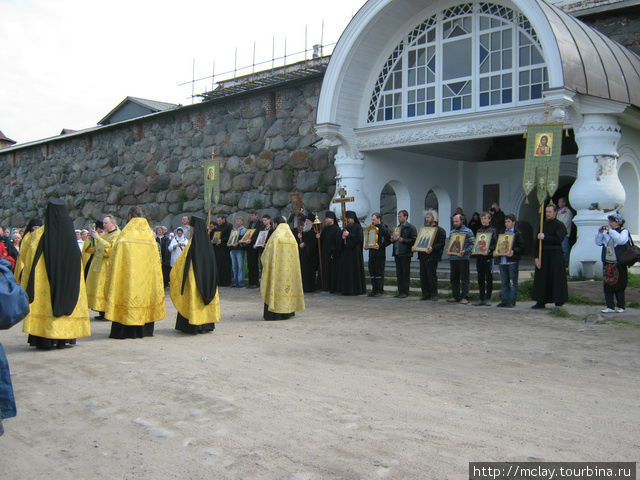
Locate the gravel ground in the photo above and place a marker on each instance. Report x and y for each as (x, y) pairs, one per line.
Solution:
(353, 388)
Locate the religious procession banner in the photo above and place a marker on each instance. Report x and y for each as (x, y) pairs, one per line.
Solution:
(211, 182)
(542, 160)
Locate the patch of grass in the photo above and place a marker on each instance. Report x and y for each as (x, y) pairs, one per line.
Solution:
(623, 322)
(634, 280)
(578, 278)
(287, 170)
(525, 289)
(580, 300)
(257, 204)
(633, 304)
(560, 312)
(182, 197)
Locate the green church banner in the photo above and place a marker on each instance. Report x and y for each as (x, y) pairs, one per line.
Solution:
(542, 160)
(211, 182)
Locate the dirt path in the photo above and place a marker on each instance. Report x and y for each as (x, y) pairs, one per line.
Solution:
(352, 388)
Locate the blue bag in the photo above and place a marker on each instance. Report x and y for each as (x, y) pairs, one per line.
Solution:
(14, 303)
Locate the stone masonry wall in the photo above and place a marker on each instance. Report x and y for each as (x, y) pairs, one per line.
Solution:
(264, 141)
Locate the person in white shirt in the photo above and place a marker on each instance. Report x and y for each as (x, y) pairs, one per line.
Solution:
(79, 239)
(565, 216)
(177, 245)
(613, 239)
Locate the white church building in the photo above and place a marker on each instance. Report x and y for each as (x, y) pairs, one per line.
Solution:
(429, 100)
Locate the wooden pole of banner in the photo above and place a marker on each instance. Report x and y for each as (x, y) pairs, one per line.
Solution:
(316, 228)
(539, 259)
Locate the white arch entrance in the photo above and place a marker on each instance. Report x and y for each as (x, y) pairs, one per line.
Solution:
(416, 92)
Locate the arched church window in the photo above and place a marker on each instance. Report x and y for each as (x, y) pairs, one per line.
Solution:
(474, 56)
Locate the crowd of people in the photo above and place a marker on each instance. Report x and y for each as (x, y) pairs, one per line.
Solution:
(122, 274)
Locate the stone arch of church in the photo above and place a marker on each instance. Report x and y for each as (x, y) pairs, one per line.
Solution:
(402, 200)
(444, 205)
(528, 214)
(629, 175)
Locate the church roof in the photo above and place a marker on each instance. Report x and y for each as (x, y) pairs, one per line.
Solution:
(592, 63)
(152, 106)
(3, 137)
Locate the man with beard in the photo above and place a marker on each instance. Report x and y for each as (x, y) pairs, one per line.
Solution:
(53, 278)
(377, 256)
(281, 283)
(194, 284)
(135, 293)
(330, 241)
(351, 266)
(308, 244)
(223, 256)
(550, 277)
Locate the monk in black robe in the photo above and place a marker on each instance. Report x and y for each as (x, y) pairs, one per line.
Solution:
(351, 267)
(308, 244)
(330, 244)
(550, 279)
(223, 257)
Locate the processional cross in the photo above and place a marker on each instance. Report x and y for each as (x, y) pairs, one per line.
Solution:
(342, 199)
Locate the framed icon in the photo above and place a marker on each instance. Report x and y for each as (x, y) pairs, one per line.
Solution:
(424, 240)
(217, 236)
(504, 245)
(246, 238)
(370, 237)
(262, 238)
(456, 245)
(482, 243)
(396, 233)
(544, 144)
(233, 238)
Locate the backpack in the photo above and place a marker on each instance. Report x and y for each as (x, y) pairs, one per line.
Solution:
(14, 303)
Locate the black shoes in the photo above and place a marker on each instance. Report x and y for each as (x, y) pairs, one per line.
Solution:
(538, 306)
(401, 295)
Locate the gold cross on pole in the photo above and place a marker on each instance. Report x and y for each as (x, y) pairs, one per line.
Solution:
(342, 199)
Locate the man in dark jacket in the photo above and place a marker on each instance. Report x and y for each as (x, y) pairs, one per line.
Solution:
(403, 239)
(509, 264)
(550, 277)
(377, 256)
(162, 237)
(429, 259)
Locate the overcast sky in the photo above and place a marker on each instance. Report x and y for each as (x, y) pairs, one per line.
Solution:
(67, 63)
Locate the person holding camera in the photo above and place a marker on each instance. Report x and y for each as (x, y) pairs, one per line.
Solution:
(613, 239)
(497, 217)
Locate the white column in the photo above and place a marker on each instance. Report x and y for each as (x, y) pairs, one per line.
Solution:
(350, 175)
(596, 189)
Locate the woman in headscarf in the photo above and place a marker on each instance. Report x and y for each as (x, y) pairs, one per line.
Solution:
(194, 283)
(351, 267)
(613, 239)
(53, 277)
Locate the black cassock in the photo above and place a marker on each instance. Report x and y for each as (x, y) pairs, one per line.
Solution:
(309, 261)
(330, 243)
(223, 257)
(550, 281)
(351, 267)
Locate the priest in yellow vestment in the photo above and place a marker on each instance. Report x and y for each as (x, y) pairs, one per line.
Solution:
(25, 249)
(135, 291)
(97, 276)
(194, 283)
(52, 275)
(281, 283)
